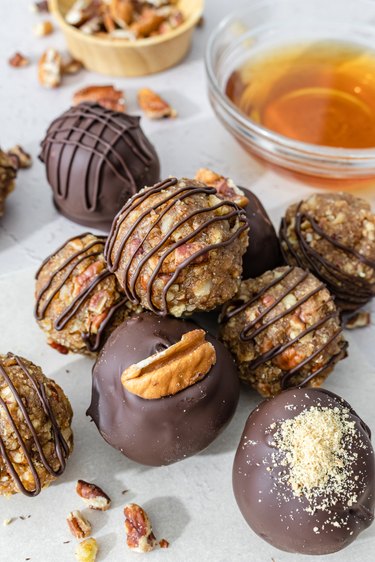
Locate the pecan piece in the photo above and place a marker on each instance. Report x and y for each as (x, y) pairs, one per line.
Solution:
(93, 496)
(40, 7)
(71, 66)
(49, 69)
(140, 537)
(172, 370)
(107, 96)
(20, 157)
(86, 550)
(121, 12)
(148, 22)
(60, 348)
(18, 60)
(154, 106)
(225, 187)
(78, 525)
(163, 543)
(43, 28)
(361, 319)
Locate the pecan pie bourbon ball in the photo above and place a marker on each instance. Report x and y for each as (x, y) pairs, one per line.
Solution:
(35, 427)
(162, 389)
(177, 247)
(95, 160)
(283, 328)
(78, 301)
(298, 491)
(333, 235)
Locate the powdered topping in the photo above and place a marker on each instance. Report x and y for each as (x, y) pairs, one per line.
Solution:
(319, 448)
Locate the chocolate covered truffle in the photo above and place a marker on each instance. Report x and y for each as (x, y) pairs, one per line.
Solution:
(8, 172)
(78, 301)
(333, 235)
(263, 252)
(284, 330)
(176, 247)
(303, 475)
(35, 427)
(95, 160)
(162, 389)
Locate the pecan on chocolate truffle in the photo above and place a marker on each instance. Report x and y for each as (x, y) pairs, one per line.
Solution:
(78, 301)
(304, 472)
(284, 331)
(95, 160)
(35, 427)
(177, 247)
(333, 235)
(8, 172)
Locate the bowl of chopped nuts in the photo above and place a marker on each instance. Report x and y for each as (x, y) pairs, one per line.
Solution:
(127, 37)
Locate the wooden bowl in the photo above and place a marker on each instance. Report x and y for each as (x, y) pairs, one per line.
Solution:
(121, 57)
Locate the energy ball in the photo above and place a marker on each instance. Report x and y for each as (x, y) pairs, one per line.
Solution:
(95, 160)
(284, 330)
(8, 172)
(162, 389)
(177, 247)
(263, 252)
(78, 301)
(333, 235)
(298, 491)
(35, 427)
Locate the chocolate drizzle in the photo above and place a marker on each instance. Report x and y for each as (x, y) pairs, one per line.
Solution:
(250, 331)
(351, 291)
(96, 158)
(180, 194)
(60, 445)
(70, 264)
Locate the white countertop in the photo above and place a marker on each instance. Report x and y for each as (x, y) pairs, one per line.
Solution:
(191, 503)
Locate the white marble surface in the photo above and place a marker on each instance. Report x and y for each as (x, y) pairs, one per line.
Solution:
(191, 503)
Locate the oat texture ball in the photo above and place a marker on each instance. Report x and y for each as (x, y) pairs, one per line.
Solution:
(78, 301)
(8, 172)
(333, 235)
(176, 247)
(284, 330)
(35, 427)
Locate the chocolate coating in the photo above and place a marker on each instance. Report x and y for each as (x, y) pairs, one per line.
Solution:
(95, 160)
(269, 505)
(160, 431)
(263, 252)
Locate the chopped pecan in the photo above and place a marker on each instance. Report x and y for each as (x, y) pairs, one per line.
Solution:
(86, 550)
(18, 60)
(172, 370)
(92, 25)
(225, 187)
(60, 348)
(49, 68)
(140, 537)
(81, 11)
(71, 66)
(40, 7)
(78, 525)
(21, 158)
(43, 28)
(359, 320)
(107, 96)
(163, 543)
(122, 12)
(93, 496)
(148, 22)
(154, 106)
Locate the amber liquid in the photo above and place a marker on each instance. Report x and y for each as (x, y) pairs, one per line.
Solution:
(321, 93)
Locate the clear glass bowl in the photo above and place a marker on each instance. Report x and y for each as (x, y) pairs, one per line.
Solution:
(269, 24)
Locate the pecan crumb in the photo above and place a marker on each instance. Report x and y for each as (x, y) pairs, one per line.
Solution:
(93, 496)
(154, 106)
(140, 537)
(124, 492)
(164, 543)
(8, 521)
(18, 60)
(361, 319)
(107, 96)
(78, 525)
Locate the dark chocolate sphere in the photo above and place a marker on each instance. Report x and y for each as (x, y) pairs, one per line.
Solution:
(165, 430)
(263, 252)
(303, 475)
(95, 160)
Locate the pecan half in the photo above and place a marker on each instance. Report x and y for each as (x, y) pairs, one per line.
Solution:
(49, 69)
(18, 60)
(170, 371)
(225, 187)
(78, 525)
(93, 496)
(107, 96)
(154, 106)
(86, 550)
(139, 535)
